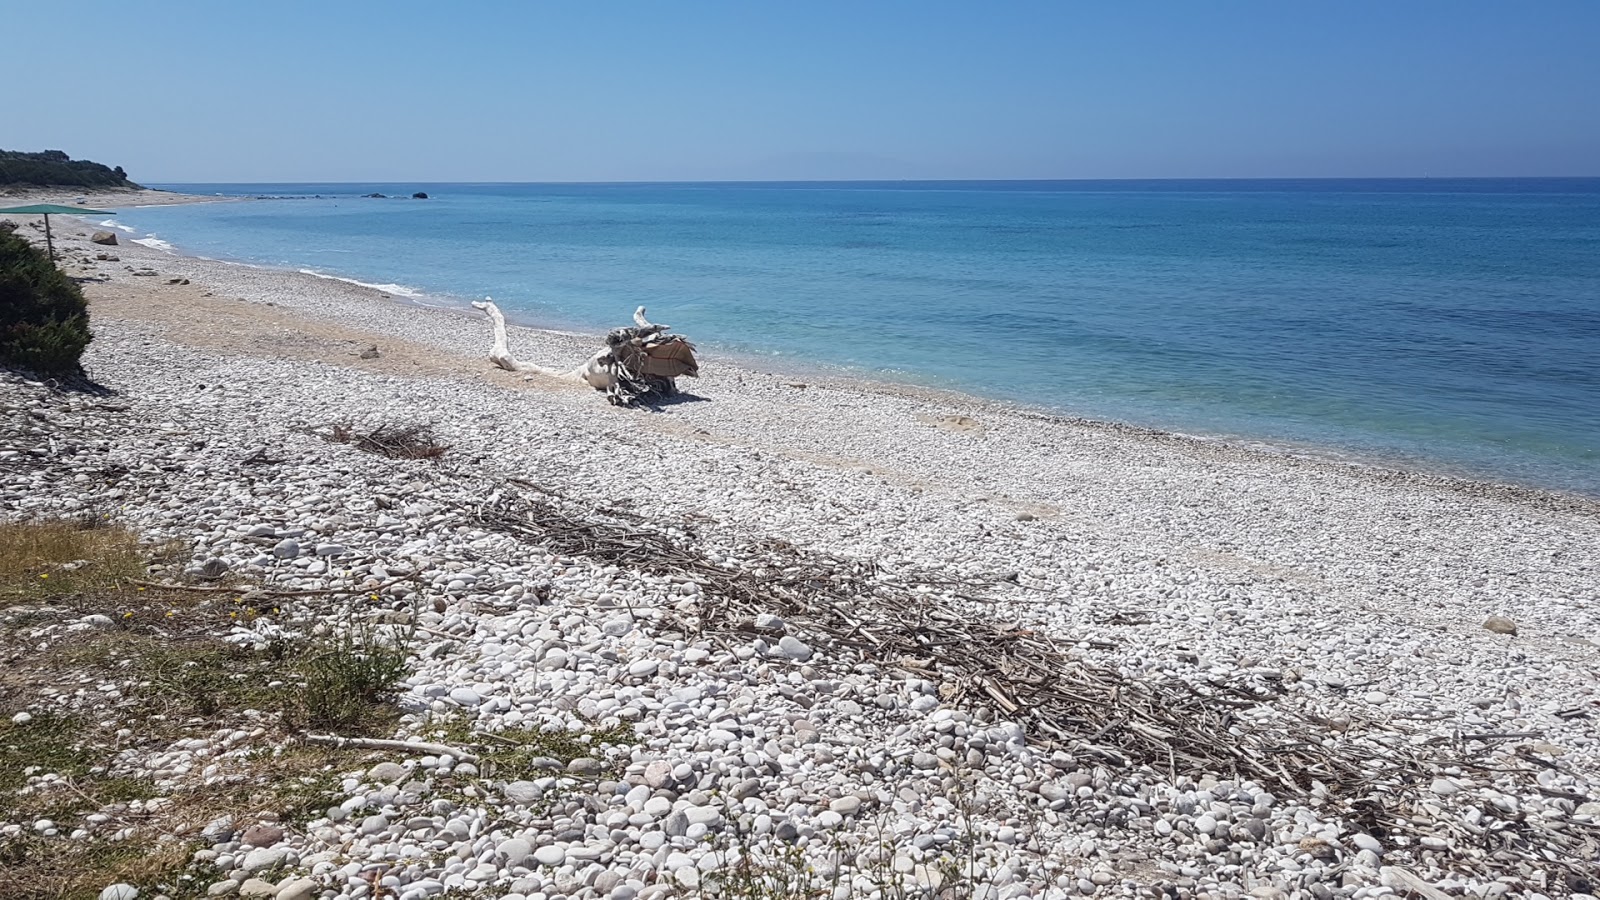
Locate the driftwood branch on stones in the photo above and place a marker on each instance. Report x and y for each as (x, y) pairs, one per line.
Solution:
(638, 364)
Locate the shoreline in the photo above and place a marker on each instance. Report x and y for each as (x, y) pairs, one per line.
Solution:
(1327, 592)
(1379, 465)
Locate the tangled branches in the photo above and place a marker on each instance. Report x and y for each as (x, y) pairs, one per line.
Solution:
(393, 441)
(1374, 774)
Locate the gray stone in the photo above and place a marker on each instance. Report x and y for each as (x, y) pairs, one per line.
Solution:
(263, 858)
(262, 835)
(255, 887)
(331, 550)
(514, 851)
(1500, 625)
(288, 548)
(584, 765)
(386, 771)
(298, 889)
(791, 647)
(522, 792)
(846, 806)
(550, 855)
(658, 774)
(119, 892)
(675, 825)
(465, 696)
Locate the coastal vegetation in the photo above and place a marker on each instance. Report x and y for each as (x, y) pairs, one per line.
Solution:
(53, 168)
(44, 320)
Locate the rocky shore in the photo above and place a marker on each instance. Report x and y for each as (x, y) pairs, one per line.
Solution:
(699, 746)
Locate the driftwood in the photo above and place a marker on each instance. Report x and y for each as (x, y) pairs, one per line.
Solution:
(1375, 775)
(360, 743)
(640, 363)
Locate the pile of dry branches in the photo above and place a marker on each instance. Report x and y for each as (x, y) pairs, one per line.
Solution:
(1376, 775)
(393, 441)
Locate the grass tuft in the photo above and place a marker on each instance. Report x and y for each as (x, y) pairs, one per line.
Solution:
(64, 558)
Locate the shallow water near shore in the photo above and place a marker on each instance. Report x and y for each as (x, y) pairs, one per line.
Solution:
(1443, 324)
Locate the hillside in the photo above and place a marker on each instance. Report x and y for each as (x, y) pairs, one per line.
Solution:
(52, 168)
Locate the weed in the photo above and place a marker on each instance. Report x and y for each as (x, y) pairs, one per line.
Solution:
(515, 753)
(37, 869)
(63, 558)
(349, 679)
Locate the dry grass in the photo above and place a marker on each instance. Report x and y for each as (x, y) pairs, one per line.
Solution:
(59, 559)
(36, 869)
(91, 620)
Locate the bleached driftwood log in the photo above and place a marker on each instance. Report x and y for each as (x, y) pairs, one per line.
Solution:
(638, 363)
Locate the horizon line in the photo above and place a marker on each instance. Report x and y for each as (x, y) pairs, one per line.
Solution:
(936, 180)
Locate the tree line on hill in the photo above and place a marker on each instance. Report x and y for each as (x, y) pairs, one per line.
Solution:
(54, 168)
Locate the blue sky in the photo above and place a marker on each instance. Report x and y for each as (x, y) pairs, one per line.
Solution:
(345, 90)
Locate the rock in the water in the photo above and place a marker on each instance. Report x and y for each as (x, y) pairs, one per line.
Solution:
(1500, 625)
(110, 240)
(420, 195)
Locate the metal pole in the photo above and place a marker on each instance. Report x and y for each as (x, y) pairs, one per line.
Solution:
(48, 242)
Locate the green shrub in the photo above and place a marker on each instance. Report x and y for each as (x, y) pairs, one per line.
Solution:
(44, 321)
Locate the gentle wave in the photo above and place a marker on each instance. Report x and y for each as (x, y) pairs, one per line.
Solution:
(119, 226)
(399, 290)
(156, 243)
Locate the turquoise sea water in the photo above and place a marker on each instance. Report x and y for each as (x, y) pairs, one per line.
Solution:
(1440, 324)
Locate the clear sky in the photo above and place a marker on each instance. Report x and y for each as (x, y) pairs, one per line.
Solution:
(351, 90)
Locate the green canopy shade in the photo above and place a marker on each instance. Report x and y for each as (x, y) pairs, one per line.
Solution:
(49, 209)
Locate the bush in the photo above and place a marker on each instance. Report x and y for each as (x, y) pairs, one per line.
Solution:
(44, 320)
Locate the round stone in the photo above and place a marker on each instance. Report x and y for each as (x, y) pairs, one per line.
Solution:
(550, 855)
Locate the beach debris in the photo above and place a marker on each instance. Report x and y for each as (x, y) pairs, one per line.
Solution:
(1376, 774)
(104, 237)
(638, 364)
(1500, 625)
(393, 441)
(370, 352)
(107, 257)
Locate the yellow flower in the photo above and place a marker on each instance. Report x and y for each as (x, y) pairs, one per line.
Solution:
(127, 615)
(141, 589)
(170, 612)
(233, 615)
(44, 575)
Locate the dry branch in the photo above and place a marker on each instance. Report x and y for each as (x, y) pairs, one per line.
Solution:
(1373, 774)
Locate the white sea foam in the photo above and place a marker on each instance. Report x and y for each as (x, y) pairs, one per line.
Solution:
(400, 290)
(156, 243)
(109, 223)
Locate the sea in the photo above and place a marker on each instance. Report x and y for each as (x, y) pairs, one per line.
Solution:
(1443, 325)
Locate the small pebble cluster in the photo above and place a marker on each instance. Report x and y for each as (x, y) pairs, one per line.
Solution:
(1362, 592)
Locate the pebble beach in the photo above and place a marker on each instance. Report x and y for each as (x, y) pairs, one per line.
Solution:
(1447, 632)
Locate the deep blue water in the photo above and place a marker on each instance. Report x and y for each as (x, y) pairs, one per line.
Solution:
(1442, 324)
